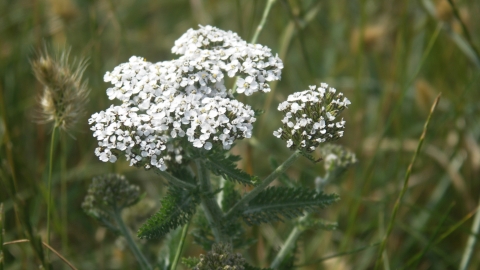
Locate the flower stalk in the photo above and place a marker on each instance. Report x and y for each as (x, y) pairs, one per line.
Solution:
(131, 243)
(212, 210)
(49, 194)
(180, 246)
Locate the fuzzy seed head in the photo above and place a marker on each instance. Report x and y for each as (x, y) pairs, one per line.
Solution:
(64, 94)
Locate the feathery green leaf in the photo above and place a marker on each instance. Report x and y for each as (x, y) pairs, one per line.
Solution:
(275, 203)
(226, 167)
(177, 207)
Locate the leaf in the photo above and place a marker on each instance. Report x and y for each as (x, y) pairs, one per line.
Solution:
(178, 206)
(275, 203)
(226, 167)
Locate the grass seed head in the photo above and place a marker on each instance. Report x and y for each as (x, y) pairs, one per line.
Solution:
(64, 93)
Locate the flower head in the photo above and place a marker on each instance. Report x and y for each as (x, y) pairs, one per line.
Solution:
(182, 100)
(311, 117)
(221, 257)
(64, 93)
(108, 193)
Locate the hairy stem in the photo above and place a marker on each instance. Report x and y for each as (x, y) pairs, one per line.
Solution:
(49, 195)
(180, 247)
(131, 243)
(263, 185)
(212, 210)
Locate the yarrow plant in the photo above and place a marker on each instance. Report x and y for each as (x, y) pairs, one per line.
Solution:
(180, 118)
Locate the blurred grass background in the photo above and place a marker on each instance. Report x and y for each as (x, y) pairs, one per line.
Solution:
(390, 58)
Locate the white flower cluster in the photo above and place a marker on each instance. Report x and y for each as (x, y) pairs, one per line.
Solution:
(336, 157)
(215, 51)
(184, 98)
(311, 117)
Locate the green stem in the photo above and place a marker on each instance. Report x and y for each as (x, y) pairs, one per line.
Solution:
(289, 243)
(180, 246)
(405, 185)
(175, 181)
(297, 230)
(131, 243)
(472, 240)
(263, 185)
(63, 193)
(49, 194)
(259, 29)
(213, 213)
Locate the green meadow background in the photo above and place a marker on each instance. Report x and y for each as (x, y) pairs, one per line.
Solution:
(390, 58)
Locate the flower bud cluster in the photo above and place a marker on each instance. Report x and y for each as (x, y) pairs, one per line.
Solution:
(337, 157)
(221, 257)
(110, 192)
(182, 99)
(311, 117)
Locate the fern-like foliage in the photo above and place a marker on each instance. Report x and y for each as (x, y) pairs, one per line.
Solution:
(177, 208)
(226, 166)
(275, 203)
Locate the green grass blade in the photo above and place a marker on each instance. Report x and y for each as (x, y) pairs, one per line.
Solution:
(405, 185)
